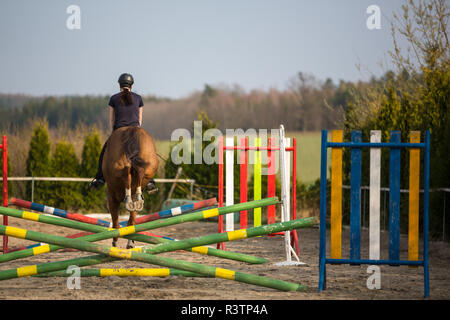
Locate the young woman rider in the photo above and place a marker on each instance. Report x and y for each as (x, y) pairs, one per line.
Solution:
(125, 109)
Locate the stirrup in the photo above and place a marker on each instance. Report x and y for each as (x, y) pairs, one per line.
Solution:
(151, 187)
(96, 183)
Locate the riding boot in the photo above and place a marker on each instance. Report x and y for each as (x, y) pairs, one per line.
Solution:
(99, 180)
(96, 183)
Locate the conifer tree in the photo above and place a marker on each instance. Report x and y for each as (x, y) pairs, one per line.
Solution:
(93, 199)
(64, 163)
(205, 175)
(90, 154)
(38, 161)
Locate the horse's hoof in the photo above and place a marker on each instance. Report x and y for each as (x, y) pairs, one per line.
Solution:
(129, 204)
(139, 205)
(130, 244)
(138, 202)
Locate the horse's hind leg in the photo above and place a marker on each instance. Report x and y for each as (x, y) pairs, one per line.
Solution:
(138, 197)
(114, 211)
(131, 222)
(138, 201)
(129, 204)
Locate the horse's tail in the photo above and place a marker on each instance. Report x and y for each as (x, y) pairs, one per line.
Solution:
(132, 148)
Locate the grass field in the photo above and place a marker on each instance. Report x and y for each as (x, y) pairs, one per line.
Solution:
(308, 154)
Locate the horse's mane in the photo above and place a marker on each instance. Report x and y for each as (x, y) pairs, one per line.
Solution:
(132, 147)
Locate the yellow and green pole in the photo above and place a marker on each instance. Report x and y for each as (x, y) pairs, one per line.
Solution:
(138, 255)
(123, 272)
(99, 229)
(130, 254)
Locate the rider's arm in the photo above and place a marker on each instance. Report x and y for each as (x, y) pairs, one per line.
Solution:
(140, 117)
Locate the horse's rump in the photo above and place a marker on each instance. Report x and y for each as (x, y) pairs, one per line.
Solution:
(131, 142)
(129, 149)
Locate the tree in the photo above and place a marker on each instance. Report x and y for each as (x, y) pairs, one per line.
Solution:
(90, 154)
(38, 161)
(93, 199)
(64, 163)
(414, 96)
(204, 175)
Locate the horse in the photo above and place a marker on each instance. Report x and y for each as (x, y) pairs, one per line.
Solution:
(130, 161)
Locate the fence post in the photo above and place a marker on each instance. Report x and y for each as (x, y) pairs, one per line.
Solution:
(32, 189)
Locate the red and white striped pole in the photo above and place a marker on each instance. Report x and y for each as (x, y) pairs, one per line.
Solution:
(221, 245)
(3, 146)
(243, 180)
(271, 171)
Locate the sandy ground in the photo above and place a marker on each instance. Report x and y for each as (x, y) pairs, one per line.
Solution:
(343, 281)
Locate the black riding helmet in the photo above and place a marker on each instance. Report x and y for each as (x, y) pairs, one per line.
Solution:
(126, 80)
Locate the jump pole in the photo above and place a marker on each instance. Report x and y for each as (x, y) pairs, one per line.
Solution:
(149, 238)
(394, 146)
(196, 244)
(4, 149)
(138, 255)
(122, 272)
(101, 233)
(227, 148)
(194, 216)
(235, 235)
(182, 244)
(80, 217)
(231, 235)
(285, 201)
(174, 211)
(58, 212)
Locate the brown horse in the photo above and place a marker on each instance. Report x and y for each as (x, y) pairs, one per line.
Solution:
(129, 162)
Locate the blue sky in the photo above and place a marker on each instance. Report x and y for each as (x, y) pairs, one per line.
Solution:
(174, 47)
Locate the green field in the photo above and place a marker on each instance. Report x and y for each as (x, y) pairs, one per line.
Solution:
(308, 154)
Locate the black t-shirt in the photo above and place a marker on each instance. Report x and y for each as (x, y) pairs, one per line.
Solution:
(126, 115)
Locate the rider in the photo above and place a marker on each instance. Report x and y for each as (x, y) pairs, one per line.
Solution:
(125, 110)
